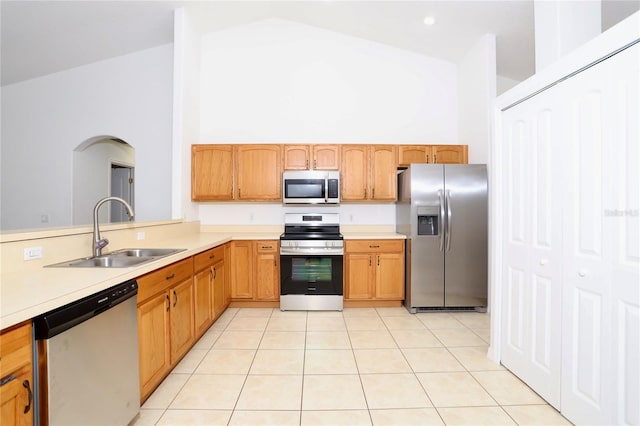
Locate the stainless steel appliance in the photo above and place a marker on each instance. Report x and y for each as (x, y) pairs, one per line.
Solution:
(87, 353)
(311, 262)
(311, 187)
(442, 209)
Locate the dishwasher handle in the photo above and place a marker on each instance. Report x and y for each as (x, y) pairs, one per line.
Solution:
(61, 319)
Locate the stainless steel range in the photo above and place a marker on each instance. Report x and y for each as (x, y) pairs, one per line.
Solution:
(311, 262)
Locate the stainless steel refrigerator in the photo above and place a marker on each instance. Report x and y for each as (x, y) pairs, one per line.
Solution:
(442, 210)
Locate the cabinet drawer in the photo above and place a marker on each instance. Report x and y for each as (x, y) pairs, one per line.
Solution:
(157, 281)
(373, 246)
(267, 246)
(207, 258)
(15, 348)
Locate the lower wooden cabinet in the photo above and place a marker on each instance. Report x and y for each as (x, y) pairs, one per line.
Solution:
(154, 343)
(374, 270)
(242, 270)
(166, 324)
(267, 275)
(209, 281)
(255, 271)
(16, 375)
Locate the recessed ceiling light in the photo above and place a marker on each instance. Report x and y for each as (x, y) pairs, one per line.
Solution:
(429, 20)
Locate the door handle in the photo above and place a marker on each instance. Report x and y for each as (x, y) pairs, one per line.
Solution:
(7, 380)
(175, 298)
(168, 303)
(326, 189)
(449, 222)
(441, 219)
(27, 386)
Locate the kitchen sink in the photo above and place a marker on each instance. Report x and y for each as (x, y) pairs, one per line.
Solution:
(118, 259)
(146, 252)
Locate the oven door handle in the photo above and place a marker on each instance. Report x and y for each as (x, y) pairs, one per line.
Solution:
(311, 252)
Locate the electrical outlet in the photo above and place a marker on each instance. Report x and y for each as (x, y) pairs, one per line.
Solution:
(141, 236)
(32, 253)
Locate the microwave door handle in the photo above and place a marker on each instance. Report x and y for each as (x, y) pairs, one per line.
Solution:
(326, 189)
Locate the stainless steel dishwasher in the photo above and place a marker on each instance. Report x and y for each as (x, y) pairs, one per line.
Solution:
(87, 358)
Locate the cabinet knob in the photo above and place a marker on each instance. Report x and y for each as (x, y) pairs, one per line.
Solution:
(582, 273)
(544, 262)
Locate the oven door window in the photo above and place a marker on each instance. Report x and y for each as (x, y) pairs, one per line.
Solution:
(311, 274)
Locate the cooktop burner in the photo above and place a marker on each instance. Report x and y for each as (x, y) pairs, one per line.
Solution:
(311, 226)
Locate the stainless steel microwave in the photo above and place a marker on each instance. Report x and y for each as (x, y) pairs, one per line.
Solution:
(311, 187)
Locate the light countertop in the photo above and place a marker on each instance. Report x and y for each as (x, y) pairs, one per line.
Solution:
(27, 294)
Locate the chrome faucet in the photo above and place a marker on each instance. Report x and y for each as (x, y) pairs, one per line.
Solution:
(100, 243)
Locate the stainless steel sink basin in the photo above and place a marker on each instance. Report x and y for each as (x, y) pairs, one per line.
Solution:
(119, 259)
(146, 252)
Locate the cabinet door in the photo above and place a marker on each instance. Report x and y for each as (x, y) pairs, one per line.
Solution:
(296, 157)
(241, 270)
(390, 276)
(354, 173)
(211, 172)
(219, 283)
(449, 154)
(412, 154)
(203, 296)
(358, 276)
(16, 399)
(259, 172)
(384, 176)
(326, 157)
(153, 337)
(182, 324)
(267, 271)
(227, 274)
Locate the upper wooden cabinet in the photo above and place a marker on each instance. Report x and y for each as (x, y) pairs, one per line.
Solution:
(369, 173)
(211, 172)
(253, 172)
(258, 172)
(311, 157)
(440, 154)
(236, 172)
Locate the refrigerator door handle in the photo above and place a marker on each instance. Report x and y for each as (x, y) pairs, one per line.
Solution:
(449, 224)
(440, 219)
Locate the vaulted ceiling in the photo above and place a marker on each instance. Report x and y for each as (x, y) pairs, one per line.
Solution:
(42, 37)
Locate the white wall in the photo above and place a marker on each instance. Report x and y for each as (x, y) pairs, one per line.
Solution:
(186, 130)
(92, 177)
(477, 90)
(280, 81)
(44, 119)
(504, 83)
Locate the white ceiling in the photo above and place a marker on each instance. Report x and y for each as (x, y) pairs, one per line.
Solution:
(42, 37)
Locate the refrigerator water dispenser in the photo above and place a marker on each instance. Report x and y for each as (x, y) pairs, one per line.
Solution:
(428, 220)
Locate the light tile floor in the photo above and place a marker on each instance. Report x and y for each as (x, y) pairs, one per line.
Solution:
(364, 366)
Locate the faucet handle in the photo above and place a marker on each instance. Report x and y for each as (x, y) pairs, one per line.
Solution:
(102, 243)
